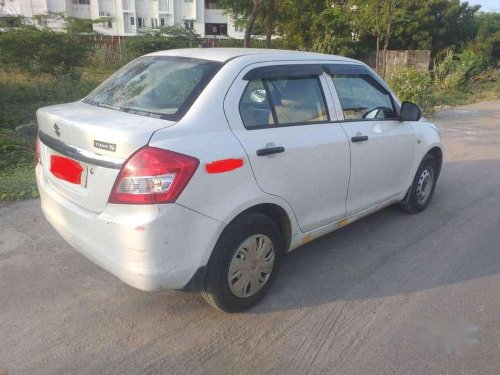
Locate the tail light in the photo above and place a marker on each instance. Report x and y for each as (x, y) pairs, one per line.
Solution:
(38, 148)
(153, 175)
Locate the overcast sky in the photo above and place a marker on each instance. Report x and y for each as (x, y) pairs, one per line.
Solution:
(487, 5)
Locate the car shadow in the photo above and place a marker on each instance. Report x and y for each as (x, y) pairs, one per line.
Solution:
(390, 252)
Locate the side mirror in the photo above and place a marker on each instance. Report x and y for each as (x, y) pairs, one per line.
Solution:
(410, 112)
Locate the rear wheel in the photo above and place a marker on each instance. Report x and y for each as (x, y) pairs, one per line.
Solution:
(244, 263)
(422, 189)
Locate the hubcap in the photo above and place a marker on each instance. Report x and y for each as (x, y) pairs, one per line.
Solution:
(251, 266)
(424, 186)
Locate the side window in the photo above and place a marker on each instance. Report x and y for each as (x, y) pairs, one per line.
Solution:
(283, 101)
(363, 98)
(255, 108)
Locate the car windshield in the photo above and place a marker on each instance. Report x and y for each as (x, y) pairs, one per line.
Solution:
(155, 86)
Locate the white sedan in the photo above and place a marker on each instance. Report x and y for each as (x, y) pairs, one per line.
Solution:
(199, 169)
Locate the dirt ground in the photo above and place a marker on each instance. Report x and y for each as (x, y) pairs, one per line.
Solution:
(390, 294)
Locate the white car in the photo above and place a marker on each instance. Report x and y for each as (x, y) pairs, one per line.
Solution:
(199, 169)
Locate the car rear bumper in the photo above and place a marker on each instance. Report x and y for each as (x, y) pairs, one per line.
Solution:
(149, 247)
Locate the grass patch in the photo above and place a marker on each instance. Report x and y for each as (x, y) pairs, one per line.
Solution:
(17, 168)
(22, 95)
(474, 92)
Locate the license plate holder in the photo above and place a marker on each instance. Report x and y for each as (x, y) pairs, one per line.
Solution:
(68, 170)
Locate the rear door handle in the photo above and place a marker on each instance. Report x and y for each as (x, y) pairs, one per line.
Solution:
(359, 138)
(270, 150)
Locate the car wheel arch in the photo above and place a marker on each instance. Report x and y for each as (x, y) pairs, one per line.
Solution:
(437, 153)
(277, 214)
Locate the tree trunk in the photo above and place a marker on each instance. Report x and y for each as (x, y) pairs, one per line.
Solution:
(384, 57)
(377, 32)
(270, 23)
(390, 14)
(257, 6)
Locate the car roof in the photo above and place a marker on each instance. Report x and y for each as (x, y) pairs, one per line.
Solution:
(226, 54)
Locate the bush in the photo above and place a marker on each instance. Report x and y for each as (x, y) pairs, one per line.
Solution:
(20, 99)
(414, 86)
(43, 50)
(161, 39)
(457, 69)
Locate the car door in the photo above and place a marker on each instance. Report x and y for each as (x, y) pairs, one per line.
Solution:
(280, 114)
(382, 147)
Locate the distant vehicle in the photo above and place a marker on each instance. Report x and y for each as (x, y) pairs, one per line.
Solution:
(199, 169)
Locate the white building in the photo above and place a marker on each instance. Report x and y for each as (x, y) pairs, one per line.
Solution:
(130, 17)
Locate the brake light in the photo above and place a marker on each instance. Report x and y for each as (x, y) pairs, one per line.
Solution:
(38, 149)
(153, 175)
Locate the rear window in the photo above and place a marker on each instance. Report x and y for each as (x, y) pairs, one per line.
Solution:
(155, 86)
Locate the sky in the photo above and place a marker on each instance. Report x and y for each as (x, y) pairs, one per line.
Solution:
(487, 5)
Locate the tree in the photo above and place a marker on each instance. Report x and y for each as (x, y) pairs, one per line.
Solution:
(436, 25)
(256, 9)
(487, 40)
(378, 18)
(270, 22)
(244, 10)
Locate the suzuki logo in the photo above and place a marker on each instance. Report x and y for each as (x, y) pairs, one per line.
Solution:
(56, 129)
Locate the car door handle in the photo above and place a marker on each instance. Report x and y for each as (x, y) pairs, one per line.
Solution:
(270, 150)
(359, 138)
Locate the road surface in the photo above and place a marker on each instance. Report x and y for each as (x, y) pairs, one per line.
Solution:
(390, 294)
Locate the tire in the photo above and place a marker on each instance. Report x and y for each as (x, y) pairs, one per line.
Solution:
(415, 202)
(233, 250)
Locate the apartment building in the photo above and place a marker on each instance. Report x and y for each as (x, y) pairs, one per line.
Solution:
(130, 17)
(36, 11)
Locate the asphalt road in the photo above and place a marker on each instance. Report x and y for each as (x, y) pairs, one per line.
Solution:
(390, 294)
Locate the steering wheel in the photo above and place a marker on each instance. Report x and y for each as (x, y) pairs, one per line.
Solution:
(375, 111)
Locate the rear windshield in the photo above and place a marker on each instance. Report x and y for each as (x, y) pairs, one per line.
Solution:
(155, 86)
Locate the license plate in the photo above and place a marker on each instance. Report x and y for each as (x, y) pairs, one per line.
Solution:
(68, 170)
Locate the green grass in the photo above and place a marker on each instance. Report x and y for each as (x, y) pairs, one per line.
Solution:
(17, 163)
(20, 97)
(473, 93)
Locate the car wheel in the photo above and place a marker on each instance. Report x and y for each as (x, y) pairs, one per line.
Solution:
(244, 263)
(422, 189)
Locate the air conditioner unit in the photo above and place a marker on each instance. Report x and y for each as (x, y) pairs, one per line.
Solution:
(102, 13)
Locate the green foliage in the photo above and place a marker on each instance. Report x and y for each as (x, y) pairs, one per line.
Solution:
(43, 50)
(20, 100)
(487, 40)
(457, 69)
(414, 86)
(435, 25)
(333, 33)
(8, 21)
(159, 39)
(17, 177)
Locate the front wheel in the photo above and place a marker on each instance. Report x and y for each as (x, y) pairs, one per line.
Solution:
(422, 188)
(244, 263)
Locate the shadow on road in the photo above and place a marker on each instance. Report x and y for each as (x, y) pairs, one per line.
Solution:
(456, 239)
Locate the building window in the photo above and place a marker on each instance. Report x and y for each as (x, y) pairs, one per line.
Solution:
(110, 24)
(216, 29)
(81, 2)
(238, 28)
(211, 4)
(132, 21)
(162, 21)
(189, 24)
(139, 22)
(188, 1)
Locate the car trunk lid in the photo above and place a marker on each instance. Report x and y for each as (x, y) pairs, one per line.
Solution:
(99, 139)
